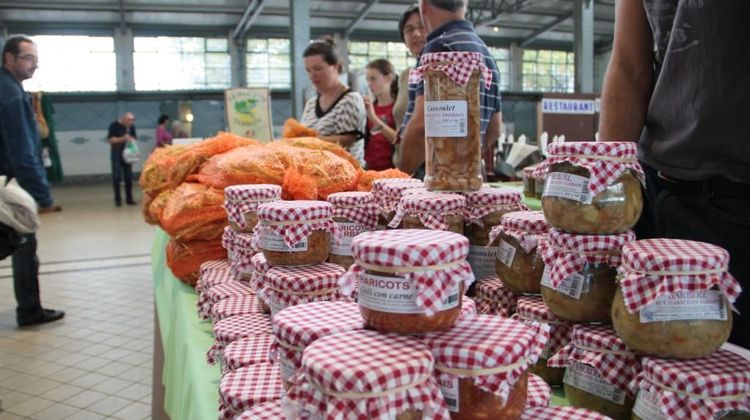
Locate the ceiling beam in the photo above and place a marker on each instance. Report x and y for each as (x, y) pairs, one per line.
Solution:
(534, 35)
(360, 17)
(248, 18)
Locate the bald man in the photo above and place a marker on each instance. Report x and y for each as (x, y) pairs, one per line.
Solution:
(121, 132)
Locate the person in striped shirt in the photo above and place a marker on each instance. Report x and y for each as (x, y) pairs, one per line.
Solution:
(448, 31)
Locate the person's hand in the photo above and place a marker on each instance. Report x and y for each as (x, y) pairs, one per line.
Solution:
(369, 108)
(51, 209)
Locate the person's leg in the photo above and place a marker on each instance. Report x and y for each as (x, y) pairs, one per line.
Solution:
(116, 174)
(128, 174)
(26, 279)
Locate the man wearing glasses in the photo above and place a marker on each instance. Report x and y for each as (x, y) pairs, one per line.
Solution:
(21, 158)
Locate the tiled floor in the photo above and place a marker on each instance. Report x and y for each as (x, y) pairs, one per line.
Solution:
(96, 363)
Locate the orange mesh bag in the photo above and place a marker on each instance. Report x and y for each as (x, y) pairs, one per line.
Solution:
(158, 205)
(318, 174)
(366, 178)
(317, 144)
(157, 169)
(146, 201)
(185, 258)
(194, 212)
(247, 165)
(294, 128)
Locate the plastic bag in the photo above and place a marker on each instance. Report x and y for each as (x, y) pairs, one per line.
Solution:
(185, 258)
(194, 211)
(131, 153)
(18, 209)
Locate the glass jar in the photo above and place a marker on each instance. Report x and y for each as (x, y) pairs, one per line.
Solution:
(353, 213)
(529, 182)
(241, 203)
(430, 211)
(290, 286)
(499, 299)
(519, 264)
(532, 309)
(261, 378)
(538, 187)
(257, 279)
(584, 297)
(387, 193)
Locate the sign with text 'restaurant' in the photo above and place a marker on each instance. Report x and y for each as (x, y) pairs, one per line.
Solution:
(568, 106)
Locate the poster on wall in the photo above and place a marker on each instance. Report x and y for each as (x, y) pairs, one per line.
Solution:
(249, 112)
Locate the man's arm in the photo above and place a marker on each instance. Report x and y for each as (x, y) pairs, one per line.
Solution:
(628, 82)
(412, 140)
(113, 139)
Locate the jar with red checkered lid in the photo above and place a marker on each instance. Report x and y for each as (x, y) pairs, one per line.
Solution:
(290, 286)
(258, 279)
(298, 326)
(495, 297)
(213, 273)
(221, 291)
(529, 182)
(481, 365)
(562, 413)
(484, 208)
(712, 387)
(468, 307)
(387, 192)
(530, 309)
(430, 211)
(519, 263)
(249, 386)
(241, 203)
(294, 233)
(409, 281)
(674, 298)
(365, 374)
(234, 328)
(233, 306)
(539, 392)
(592, 187)
(579, 280)
(353, 212)
(227, 241)
(246, 351)
(242, 255)
(266, 411)
(598, 371)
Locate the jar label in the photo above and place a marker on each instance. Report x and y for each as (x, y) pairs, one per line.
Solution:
(686, 305)
(348, 232)
(482, 261)
(568, 186)
(446, 118)
(647, 407)
(572, 286)
(449, 389)
(396, 295)
(287, 367)
(506, 253)
(270, 241)
(587, 379)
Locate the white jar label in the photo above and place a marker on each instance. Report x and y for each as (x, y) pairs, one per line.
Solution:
(396, 295)
(568, 186)
(686, 305)
(482, 261)
(449, 389)
(572, 286)
(446, 119)
(270, 241)
(506, 253)
(286, 367)
(348, 232)
(647, 407)
(587, 379)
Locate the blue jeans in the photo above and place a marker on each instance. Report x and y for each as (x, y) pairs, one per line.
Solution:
(121, 170)
(26, 279)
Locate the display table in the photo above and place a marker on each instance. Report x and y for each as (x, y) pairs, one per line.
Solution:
(531, 202)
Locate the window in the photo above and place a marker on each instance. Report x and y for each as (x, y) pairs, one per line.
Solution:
(268, 63)
(74, 64)
(502, 59)
(361, 53)
(177, 63)
(548, 71)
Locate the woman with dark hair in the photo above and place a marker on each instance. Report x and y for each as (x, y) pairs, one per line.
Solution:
(163, 136)
(381, 127)
(336, 112)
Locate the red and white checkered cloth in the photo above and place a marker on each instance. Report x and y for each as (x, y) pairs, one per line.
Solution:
(533, 309)
(423, 250)
(501, 300)
(266, 411)
(539, 392)
(468, 307)
(599, 347)
(430, 208)
(283, 285)
(294, 220)
(251, 385)
(387, 194)
(484, 307)
(227, 238)
(526, 227)
(241, 199)
(260, 267)
(364, 362)
(213, 273)
(243, 252)
(416, 190)
(457, 65)
(233, 306)
(482, 342)
(605, 161)
(234, 328)
(357, 206)
(209, 297)
(490, 200)
(562, 413)
(653, 267)
(697, 389)
(247, 351)
(566, 254)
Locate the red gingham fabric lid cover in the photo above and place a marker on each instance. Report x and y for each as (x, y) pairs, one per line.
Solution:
(294, 220)
(227, 238)
(247, 351)
(539, 392)
(295, 280)
(233, 306)
(209, 297)
(524, 226)
(599, 347)
(566, 254)
(605, 161)
(397, 369)
(241, 199)
(234, 328)
(266, 411)
(243, 251)
(561, 413)
(494, 291)
(388, 194)
(430, 208)
(457, 65)
(213, 273)
(437, 258)
(468, 307)
(251, 385)
(484, 342)
(485, 307)
(652, 267)
(357, 206)
(488, 200)
(698, 388)
(533, 309)
(260, 267)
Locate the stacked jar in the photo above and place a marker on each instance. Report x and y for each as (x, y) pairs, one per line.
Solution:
(519, 263)
(353, 213)
(531, 309)
(493, 298)
(387, 192)
(429, 210)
